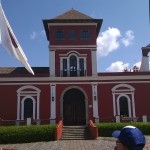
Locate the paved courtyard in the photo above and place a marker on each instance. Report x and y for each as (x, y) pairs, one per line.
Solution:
(103, 143)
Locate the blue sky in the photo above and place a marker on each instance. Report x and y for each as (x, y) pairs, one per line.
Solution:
(125, 29)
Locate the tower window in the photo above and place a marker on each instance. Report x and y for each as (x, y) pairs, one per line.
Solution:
(64, 67)
(72, 35)
(81, 65)
(85, 35)
(73, 66)
(59, 35)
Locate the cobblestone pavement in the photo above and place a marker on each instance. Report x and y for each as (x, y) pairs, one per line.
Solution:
(103, 143)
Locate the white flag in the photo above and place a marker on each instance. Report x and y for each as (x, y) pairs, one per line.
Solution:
(10, 43)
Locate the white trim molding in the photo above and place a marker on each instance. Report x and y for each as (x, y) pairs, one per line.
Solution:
(86, 100)
(33, 93)
(95, 102)
(127, 91)
(78, 57)
(22, 106)
(53, 104)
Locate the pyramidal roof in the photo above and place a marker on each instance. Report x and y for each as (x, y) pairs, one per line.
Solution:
(73, 14)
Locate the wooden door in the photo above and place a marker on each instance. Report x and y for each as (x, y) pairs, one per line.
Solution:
(74, 111)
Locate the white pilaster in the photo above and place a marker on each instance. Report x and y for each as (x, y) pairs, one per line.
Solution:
(68, 67)
(52, 63)
(85, 68)
(18, 107)
(133, 105)
(129, 107)
(38, 106)
(114, 104)
(95, 101)
(78, 68)
(53, 103)
(61, 67)
(94, 63)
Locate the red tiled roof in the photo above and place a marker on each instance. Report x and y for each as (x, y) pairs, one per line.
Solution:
(73, 14)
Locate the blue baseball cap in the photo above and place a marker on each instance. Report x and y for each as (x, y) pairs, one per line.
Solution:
(131, 137)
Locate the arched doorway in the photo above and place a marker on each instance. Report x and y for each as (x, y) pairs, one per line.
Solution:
(74, 112)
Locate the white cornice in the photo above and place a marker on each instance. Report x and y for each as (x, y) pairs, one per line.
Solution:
(76, 79)
(75, 83)
(71, 24)
(72, 46)
(72, 52)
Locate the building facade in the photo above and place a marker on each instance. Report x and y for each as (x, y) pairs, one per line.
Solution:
(71, 89)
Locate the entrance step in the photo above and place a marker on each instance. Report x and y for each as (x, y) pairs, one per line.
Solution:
(75, 133)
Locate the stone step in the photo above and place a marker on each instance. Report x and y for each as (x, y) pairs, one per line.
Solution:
(75, 133)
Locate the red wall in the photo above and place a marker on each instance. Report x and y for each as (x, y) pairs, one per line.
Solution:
(60, 88)
(8, 101)
(44, 101)
(142, 99)
(78, 41)
(105, 101)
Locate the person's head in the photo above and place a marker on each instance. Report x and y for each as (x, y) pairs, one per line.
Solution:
(129, 138)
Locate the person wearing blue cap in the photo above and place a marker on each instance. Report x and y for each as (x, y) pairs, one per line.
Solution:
(129, 138)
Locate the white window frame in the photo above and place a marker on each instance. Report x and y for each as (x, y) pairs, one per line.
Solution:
(22, 106)
(127, 91)
(78, 56)
(23, 93)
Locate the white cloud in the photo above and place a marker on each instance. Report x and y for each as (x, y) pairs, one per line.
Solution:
(33, 35)
(43, 33)
(117, 66)
(127, 40)
(111, 39)
(108, 41)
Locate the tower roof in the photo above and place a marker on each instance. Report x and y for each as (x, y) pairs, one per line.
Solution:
(73, 14)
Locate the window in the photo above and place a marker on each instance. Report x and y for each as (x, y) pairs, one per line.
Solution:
(28, 108)
(72, 35)
(85, 35)
(123, 102)
(59, 35)
(81, 65)
(73, 66)
(64, 67)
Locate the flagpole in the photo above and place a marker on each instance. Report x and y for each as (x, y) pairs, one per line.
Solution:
(10, 42)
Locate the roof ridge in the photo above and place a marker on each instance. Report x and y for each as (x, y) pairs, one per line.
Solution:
(73, 14)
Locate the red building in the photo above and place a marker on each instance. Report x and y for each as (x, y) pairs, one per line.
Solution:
(71, 89)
